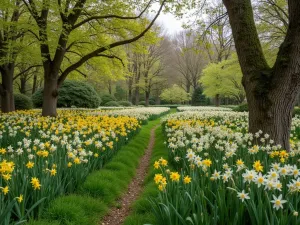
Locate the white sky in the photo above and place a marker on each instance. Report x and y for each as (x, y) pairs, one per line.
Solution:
(171, 24)
(168, 21)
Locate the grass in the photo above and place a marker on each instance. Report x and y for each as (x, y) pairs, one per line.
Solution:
(141, 209)
(101, 188)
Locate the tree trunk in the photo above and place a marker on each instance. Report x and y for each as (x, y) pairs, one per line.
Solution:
(137, 95)
(188, 87)
(34, 84)
(157, 100)
(217, 100)
(23, 84)
(50, 96)
(271, 92)
(147, 95)
(272, 113)
(7, 94)
(109, 87)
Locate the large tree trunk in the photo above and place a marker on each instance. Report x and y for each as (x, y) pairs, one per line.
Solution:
(50, 96)
(7, 93)
(272, 113)
(271, 92)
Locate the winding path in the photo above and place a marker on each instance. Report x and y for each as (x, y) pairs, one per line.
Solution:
(117, 215)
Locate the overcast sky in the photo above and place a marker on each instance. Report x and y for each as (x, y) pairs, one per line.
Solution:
(171, 24)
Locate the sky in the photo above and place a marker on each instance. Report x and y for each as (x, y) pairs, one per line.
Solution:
(168, 21)
(171, 24)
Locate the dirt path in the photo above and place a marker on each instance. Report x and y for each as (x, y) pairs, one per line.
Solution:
(117, 215)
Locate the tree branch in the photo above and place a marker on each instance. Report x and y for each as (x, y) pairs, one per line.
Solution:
(110, 46)
(112, 16)
(24, 71)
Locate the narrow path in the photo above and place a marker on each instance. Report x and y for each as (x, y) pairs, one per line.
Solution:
(117, 215)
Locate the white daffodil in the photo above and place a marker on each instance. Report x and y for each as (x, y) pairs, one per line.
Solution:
(242, 195)
(278, 202)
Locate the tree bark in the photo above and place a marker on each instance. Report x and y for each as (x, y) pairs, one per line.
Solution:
(34, 85)
(147, 96)
(6, 89)
(23, 80)
(137, 95)
(271, 92)
(50, 96)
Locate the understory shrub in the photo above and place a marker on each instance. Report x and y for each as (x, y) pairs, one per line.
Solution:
(107, 98)
(112, 103)
(142, 103)
(125, 103)
(22, 102)
(241, 108)
(72, 94)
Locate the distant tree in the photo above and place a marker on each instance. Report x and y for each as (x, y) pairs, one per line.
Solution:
(120, 93)
(189, 59)
(223, 79)
(175, 94)
(198, 98)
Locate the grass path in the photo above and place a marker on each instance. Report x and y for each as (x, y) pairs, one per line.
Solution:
(117, 214)
(141, 209)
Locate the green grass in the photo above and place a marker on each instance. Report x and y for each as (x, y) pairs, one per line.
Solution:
(101, 188)
(141, 209)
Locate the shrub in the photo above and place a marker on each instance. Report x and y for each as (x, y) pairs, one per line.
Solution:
(198, 97)
(72, 94)
(37, 98)
(296, 111)
(22, 102)
(120, 93)
(151, 102)
(107, 98)
(125, 103)
(112, 103)
(241, 108)
(142, 103)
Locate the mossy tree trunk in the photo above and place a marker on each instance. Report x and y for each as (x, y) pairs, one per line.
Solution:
(271, 91)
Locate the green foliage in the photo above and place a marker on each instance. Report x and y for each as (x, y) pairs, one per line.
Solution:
(79, 94)
(22, 102)
(142, 103)
(37, 98)
(120, 93)
(175, 94)
(198, 97)
(241, 108)
(112, 103)
(151, 101)
(296, 111)
(224, 78)
(125, 103)
(72, 93)
(76, 210)
(107, 98)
